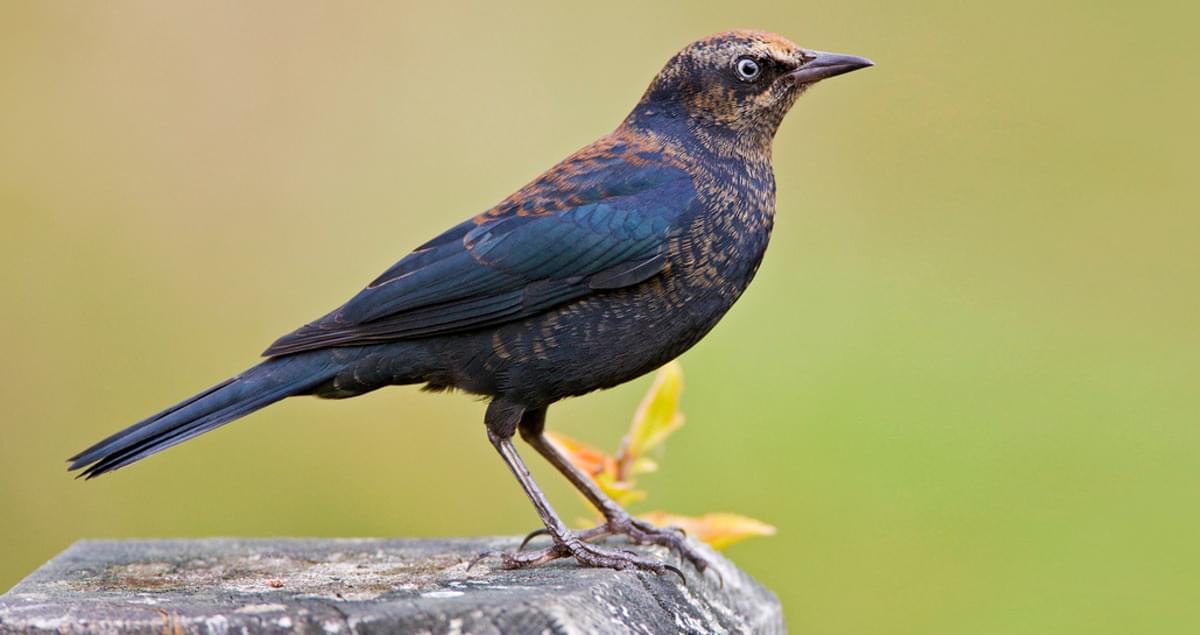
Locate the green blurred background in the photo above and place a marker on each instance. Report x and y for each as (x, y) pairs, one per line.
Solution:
(963, 385)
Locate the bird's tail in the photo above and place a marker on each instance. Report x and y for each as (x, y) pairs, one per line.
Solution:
(258, 387)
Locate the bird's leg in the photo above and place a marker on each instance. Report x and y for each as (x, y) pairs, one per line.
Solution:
(502, 419)
(617, 520)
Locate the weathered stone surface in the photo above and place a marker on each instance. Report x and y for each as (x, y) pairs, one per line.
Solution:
(367, 586)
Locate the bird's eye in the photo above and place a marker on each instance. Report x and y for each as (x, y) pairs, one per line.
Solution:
(748, 69)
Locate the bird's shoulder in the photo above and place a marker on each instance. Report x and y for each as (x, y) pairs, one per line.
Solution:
(623, 188)
(620, 164)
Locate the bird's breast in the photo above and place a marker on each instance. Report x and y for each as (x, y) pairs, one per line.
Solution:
(613, 336)
(724, 244)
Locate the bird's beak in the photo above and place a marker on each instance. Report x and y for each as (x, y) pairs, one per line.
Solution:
(822, 65)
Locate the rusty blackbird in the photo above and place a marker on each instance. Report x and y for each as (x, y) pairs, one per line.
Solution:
(610, 264)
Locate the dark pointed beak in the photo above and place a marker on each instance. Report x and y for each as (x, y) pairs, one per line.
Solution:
(822, 65)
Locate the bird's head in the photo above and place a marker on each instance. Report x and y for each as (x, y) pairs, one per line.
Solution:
(740, 82)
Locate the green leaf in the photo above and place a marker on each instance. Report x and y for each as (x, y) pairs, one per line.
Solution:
(658, 415)
(620, 491)
(642, 465)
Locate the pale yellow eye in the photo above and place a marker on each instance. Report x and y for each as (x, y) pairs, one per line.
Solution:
(748, 69)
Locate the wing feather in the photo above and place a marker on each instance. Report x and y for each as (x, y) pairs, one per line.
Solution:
(529, 254)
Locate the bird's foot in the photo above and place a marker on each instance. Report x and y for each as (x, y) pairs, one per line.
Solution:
(642, 533)
(575, 546)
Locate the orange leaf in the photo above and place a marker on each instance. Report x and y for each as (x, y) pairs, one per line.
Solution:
(583, 456)
(717, 529)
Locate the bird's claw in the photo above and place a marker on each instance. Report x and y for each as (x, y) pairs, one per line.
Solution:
(531, 535)
(491, 553)
(642, 533)
(589, 555)
(676, 571)
(673, 538)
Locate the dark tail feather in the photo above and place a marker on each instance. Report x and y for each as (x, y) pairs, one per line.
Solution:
(256, 388)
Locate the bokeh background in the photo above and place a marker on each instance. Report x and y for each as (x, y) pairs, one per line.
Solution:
(963, 385)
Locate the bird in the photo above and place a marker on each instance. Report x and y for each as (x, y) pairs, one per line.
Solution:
(607, 266)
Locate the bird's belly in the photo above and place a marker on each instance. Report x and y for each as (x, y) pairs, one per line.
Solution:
(601, 341)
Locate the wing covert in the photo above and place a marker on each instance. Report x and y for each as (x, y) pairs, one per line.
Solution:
(592, 230)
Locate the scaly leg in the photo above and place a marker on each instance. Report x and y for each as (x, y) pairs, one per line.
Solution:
(617, 520)
(502, 419)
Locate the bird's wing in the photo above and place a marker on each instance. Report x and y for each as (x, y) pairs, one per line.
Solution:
(602, 219)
